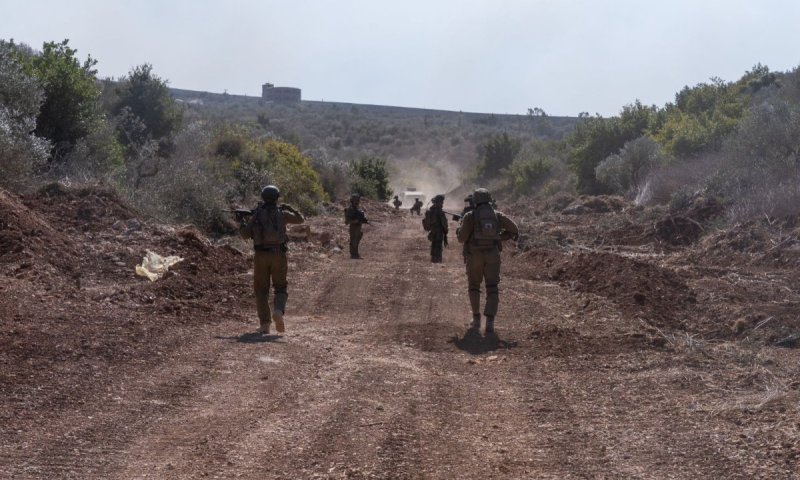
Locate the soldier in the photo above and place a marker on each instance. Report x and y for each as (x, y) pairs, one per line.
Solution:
(469, 206)
(435, 223)
(416, 207)
(482, 231)
(354, 217)
(267, 227)
(397, 203)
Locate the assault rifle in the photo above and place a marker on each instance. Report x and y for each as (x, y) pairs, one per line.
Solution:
(242, 213)
(456, 216)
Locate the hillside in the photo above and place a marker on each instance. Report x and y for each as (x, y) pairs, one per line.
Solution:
(427, 148)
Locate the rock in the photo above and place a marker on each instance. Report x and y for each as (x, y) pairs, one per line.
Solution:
(299, 232)
(134, 225)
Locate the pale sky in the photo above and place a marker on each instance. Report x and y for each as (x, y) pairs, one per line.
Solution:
(501, 56)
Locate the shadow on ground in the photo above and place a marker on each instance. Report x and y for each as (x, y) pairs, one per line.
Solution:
(251, 337)
(472, 342)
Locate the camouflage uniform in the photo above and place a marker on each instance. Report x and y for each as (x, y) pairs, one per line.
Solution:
(397, 202)
(435, 223)
(483, 258)
(468, 207)
(270, 264)
(416, 207)
(354, 217)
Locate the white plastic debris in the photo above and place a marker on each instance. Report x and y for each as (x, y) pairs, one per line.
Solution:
(154, 266)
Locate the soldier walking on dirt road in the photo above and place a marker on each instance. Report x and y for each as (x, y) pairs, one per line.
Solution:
(354, 217)
(482, 232)
(435, 223)
(267, 227)
(397, 202)
(416, 207)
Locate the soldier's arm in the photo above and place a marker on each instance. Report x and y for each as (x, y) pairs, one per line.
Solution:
(508, 229)
(293, 217)
(465, 230)
(443, 217)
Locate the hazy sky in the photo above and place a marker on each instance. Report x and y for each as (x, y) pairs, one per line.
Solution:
(500, 56)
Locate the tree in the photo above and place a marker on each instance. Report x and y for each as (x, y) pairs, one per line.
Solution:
(147, 97)
(371, 178)
(498, 153)
(595, 138)
(70, 110)
(625, 172)
(21, 151)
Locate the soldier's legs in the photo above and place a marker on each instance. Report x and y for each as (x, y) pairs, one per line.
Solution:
(279, 273)
(279, 270)
(491, 274)
(436, 248)
(475, 264)
(261, 281)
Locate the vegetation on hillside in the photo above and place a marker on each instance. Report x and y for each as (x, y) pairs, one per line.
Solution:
(187, 156)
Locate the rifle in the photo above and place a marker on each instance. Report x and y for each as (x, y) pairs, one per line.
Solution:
(240, 213)
(456, 216)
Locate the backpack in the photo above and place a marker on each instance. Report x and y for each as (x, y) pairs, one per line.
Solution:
(428, 220)
(269, 226)
(487, 226)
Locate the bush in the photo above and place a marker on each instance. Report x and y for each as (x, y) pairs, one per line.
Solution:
(527, 174)
(371, 178)
(497, 154)
(624, 173)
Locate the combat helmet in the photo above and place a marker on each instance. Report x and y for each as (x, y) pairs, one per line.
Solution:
(438, 199)
(270, 194)
(355, 198)
(481, 195)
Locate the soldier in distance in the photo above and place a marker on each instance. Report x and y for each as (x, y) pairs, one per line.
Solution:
(267, 228)
(354, 217)
(435, 223)
(397, 202)
(482, 231)
(416, 207)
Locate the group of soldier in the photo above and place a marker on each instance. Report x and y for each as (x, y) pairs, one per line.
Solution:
(481, 231)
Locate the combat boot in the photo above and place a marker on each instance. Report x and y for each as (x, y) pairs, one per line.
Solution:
(489, 325)
(263, 328)
(475, 325)
(277, 317)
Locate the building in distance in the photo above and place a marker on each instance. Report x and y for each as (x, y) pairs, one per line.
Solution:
(271, 93)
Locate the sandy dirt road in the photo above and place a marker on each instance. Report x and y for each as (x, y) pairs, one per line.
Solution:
(376, 379)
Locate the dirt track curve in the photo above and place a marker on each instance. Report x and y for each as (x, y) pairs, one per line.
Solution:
(375, 379)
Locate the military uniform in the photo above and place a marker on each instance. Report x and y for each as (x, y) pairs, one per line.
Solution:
(354, 217)
(468, 207)
(482, 231)
(397, 202)
(267, 228)
(435, 223)
(416, 207)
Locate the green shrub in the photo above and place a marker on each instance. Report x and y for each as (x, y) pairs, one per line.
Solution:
(371, 178)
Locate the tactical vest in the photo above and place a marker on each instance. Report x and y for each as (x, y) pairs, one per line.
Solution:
(269, 227)
(486, 232)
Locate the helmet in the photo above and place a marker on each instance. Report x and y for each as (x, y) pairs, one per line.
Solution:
(468, 199)
(481, 195)
(270, 194)
(355, 198)
(438, 199)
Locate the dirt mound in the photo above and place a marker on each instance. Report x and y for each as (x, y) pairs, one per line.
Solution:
(684, 225)
(88, 209)
(27, 238)
(765, 242)
(653, 293)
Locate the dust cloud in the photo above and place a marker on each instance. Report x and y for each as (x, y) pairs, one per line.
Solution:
(429, 176)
